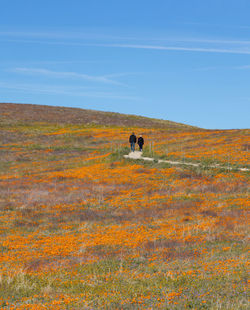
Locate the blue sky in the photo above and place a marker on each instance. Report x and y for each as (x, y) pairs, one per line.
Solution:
(186, 61)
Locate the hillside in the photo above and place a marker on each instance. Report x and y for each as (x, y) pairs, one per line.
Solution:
(81, 227)
(62, 115)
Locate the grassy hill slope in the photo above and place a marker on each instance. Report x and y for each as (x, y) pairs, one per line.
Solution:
(62, 115)
(83, 228)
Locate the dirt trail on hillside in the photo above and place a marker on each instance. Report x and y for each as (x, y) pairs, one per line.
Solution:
(138, 155)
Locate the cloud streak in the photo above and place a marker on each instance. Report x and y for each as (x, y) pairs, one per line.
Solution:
(90, 35)
(57, 74)
(176, 48)
(94, 38)
(62, 90)
(211, 48)
(246, 67)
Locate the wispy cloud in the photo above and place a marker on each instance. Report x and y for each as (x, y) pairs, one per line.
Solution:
(211, 48)
(88, 34)
(98, 35)
(210, 25)
(245, 67)
(58, 74)
(177, 48)
(203, 40)
(91, 37)
(244, 98)
(62, 90)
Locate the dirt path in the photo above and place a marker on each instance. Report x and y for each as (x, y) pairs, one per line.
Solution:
(138, 155)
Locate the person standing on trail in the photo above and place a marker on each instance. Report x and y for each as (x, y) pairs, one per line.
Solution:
(132, 141)
(140, 143)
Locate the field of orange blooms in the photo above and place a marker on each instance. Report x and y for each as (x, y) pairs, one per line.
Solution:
(83, 228)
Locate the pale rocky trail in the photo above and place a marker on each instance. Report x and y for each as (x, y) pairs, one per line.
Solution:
(138, 155)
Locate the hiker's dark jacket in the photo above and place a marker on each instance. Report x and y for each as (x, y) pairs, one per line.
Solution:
(132, 139)
(140, 141)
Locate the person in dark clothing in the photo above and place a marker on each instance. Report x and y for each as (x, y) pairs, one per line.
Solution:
(140, 143)
(132, 141)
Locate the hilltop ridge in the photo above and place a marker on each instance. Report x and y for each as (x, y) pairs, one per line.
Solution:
(17, 112)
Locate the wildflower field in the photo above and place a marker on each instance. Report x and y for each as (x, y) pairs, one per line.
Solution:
(83, 228)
